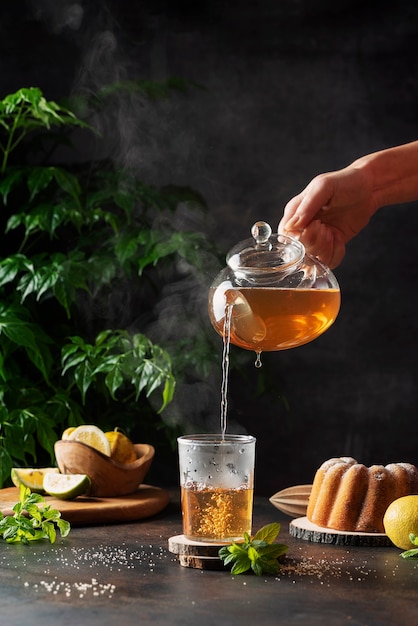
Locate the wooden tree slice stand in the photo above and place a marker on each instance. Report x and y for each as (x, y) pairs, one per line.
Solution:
(197, 554)
(302, 528)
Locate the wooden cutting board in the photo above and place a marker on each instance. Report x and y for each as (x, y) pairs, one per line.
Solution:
(144, 502)
(302, 528)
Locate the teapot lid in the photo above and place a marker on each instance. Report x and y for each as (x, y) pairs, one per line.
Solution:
(265, 252)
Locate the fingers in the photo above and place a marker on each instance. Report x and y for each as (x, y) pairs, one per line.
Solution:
(290, 217)
(303, 208)
(323, 242)
(306, 215)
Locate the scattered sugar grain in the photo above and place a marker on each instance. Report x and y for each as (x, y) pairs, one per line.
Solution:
(324, 570)
(101, 558)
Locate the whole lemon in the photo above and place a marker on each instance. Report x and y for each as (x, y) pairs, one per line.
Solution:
(400, 520)
(122, 450)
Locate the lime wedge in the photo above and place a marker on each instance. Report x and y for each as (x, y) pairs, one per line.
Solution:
(31, 477)
(66, 486)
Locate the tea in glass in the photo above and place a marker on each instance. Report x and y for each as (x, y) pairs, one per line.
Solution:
(217, 486)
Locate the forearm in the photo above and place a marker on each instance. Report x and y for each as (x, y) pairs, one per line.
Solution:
(393, 174)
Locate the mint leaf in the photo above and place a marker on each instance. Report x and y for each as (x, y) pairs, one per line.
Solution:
(268, 533)
(258, 554)
(257, 568)
(31, 522)
(273, 551)
(241, 564)
(410, 554)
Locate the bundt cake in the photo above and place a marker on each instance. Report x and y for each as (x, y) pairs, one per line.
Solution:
(347, 495)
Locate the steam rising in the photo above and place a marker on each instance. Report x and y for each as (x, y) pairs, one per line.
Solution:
(152, 140)
(58, 16)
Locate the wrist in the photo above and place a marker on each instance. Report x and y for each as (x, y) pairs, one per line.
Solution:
(391, 174)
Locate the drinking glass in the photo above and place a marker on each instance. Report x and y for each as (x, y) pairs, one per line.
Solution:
(217, 486)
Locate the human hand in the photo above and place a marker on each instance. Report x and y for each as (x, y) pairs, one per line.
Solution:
(330, 211)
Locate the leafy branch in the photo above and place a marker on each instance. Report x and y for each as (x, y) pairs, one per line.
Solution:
(31, 522)
(28, 110)
(121, 358)
(258, 553)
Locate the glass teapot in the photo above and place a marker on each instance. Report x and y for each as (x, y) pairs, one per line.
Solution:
(272, 295)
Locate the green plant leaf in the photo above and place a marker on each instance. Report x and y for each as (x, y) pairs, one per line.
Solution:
(268, 533)
(114, 380)
(273, 551)
(413, 552)
(68, 182)
(64, 527)
(410, 554)
(10, 266)
(27, 335)
(6, 462)
(168, 391)
(126, 247)
(40, 523)
(45, 434)
(270, 567)
(257, 568)
(38, 179)
(259, 553)
(241, 564)
(9, 181)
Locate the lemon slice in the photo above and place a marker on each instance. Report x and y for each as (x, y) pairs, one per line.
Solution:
(66, 486)
(92, 436)
(67, 432)
(31, 477)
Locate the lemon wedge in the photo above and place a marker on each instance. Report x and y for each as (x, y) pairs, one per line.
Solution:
(67, 432)
(31, 477)
(66, 486)
(92, 436)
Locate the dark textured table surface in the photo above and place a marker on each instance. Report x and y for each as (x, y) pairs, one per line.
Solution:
(124, 574)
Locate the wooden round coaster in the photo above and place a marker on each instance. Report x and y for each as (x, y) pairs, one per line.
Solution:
(197, 554)
(302, 528)
(203, 562)
(179, 544)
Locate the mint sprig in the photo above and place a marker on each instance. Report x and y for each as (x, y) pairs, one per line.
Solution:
(258, 553)
(31, 522)
(413, 553)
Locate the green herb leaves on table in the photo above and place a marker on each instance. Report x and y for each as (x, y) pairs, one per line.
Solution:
(258, 553)
(31, 522)
(413, 553)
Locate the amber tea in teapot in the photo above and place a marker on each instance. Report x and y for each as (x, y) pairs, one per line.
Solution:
(272, 294)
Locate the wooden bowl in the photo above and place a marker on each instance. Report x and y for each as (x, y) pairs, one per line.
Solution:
(108, 478)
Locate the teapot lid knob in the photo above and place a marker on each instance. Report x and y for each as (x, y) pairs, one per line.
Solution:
(261, 231)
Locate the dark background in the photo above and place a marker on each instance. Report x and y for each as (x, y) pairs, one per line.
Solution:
(291, 88)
